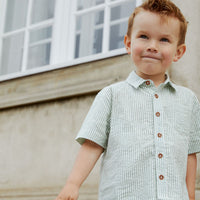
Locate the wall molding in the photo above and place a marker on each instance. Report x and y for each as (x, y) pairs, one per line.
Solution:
(43, 194)
(63, 83)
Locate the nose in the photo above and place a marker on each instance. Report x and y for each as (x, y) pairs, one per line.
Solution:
(152, 47)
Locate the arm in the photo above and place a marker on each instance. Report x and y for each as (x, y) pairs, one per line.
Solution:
(85, 161)
(191, 175)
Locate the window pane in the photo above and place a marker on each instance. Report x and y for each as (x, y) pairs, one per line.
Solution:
(96, 48)
(77, 47)
(83, 4)
(122, 11)
(12, 51)
(16, 13)
(99, 17)
(42, 10)
(91, 19)
(39, 55)
(117, 33)
(89, 34)
(40, 34)
(98, 36)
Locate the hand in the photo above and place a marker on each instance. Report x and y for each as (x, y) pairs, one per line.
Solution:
(69, 192)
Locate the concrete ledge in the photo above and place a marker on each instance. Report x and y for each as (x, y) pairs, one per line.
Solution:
(66, 82)
(88, 193)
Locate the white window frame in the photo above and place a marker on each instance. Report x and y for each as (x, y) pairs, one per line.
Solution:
(63, 36)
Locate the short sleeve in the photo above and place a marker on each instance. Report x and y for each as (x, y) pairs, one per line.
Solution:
(96, 125)
(194, 140)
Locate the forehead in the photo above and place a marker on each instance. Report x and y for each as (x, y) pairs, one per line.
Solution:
(156, 23)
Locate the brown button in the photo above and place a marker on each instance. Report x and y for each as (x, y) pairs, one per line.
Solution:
(160, 155)
(147, 82)
(161, 177)
(159, 135)
(158, 114)
(156, 95)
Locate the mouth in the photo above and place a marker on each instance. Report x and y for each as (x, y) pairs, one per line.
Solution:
(151, 57)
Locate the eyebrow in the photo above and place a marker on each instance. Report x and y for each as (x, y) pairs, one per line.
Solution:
(162, 35)
(167, 35)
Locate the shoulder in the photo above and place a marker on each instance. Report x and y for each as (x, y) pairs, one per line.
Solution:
(187, 94)
(113, 88)
(185, 91)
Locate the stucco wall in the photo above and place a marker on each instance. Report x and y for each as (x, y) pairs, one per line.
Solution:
(187, 71)
(38, 148)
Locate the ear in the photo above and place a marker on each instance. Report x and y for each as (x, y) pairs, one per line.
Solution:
(179, 52)
(127, 43)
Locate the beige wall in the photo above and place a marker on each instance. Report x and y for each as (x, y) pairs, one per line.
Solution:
(187, 72)
(40, 116)
(38, 148)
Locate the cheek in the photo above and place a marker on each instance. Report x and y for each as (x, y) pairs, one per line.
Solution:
(169, 55)
(136, 50)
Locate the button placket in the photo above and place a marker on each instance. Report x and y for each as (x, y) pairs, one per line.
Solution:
(159, 144)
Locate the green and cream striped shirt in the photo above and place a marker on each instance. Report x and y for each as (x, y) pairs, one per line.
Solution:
(147, 133)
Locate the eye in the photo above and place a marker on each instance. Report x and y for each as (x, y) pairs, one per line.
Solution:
(164, 40)
(143, 37)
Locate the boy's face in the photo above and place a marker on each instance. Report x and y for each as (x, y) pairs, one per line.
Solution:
(154, 43)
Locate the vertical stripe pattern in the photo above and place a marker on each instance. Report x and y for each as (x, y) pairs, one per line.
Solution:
(147, 133)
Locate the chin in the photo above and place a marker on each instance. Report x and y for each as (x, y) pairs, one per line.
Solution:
(149, 72)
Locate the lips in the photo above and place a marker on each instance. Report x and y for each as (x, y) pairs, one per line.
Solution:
(152, 56)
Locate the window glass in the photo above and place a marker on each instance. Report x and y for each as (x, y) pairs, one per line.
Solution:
(91, 19)
(122, 11)
(83, 4)
(39, 55)
(42, 10)
(39, 47)
(89, 27)
(89, 34)
(12, 53)
(41, 34)
(16, 13)
(97, 45)
(16, 46)
(117, 33)
(118, 26)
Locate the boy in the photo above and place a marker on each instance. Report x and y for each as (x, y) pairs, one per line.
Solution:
(147, 128)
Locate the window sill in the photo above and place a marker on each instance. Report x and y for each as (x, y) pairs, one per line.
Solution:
(66, 82)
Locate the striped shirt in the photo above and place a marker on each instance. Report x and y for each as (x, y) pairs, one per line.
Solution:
(147, 133)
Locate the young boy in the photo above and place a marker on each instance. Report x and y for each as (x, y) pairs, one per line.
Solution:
(147, 128)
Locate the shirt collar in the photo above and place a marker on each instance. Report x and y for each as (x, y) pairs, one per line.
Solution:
(135, 80)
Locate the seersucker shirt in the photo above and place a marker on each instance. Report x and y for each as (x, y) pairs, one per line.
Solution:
(147, 133)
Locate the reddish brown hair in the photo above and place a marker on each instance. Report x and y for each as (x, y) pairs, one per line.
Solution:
(163, 8)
